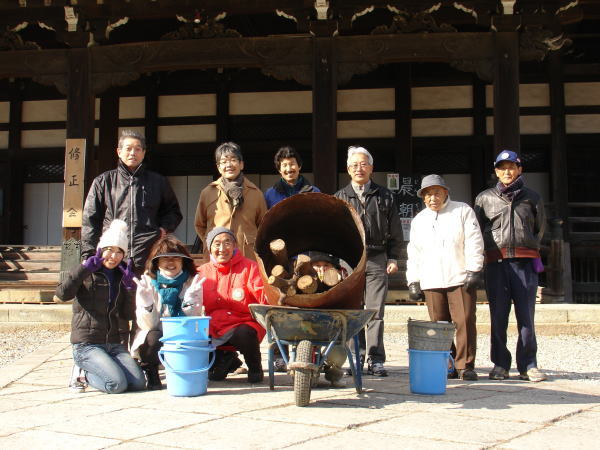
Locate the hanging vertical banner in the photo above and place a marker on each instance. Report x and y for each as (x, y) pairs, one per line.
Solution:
(408, 202)
(74, 177)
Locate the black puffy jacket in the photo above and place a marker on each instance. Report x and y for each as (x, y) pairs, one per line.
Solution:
(379, 215)
(510, 225)
(143, 199)
(94, 320)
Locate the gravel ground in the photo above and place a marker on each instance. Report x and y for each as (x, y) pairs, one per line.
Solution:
(16, 344)
(570, 357)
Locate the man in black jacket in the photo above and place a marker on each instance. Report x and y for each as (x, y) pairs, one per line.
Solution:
(512, 222)
(141, 198)
(383, 233)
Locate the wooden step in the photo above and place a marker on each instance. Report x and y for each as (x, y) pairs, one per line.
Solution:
(30, 265)
(44, 255)
(21, 275)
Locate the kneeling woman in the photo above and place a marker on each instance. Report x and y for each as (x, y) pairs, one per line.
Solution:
(169, 288)
(100, 299)
(232, 283)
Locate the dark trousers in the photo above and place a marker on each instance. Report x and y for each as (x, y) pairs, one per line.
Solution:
(375, 293)
(149, 349)
(457, 305)
(245, 340)
(512, 280)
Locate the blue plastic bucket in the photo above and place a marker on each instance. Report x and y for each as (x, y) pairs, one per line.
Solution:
(186, 367)
(185, 328)
(428, 371)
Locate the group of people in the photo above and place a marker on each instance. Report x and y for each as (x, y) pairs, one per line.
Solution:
(453, 247)
(130, 214)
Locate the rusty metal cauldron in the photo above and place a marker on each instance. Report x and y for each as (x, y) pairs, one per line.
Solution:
(315, 221)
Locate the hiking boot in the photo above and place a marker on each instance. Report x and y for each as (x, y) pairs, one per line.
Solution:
(279, 365)
(534, 375)
(226, 363)
(467, 374)
(498, 373)
(377, 369)
(153, 382)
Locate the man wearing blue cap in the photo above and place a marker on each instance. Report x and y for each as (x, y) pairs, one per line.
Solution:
(512, 221)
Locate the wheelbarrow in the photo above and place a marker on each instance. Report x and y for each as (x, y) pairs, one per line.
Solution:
(311, 334)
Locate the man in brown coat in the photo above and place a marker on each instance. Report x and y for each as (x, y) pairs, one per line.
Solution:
(232, 201)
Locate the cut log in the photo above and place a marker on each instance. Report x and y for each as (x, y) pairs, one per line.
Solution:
(278, 282)
(331, 277)
(279, 271)
(303, 266)
(308, 284)
(279, 251)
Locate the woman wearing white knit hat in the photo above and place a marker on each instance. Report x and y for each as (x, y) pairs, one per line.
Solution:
(98, 289)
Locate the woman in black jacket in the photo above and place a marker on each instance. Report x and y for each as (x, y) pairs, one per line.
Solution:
(99, 300)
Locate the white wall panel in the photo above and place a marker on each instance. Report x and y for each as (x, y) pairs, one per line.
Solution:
(44, 111)
(132, 107)
(441, 97)
(365, 128)
(534, 95)
(583, 123)
(43, 138)
(55, 210)
(4, 112)
(187, 105)
(460, 187)
(42, 213)
(293, 102)
(535, 124)
(365, 100)
(578, 94)
(174, 134)
(3, 139)
(539, 182)
(449, 126)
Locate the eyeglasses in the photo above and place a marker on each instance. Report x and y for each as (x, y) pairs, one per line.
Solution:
(222, 244)
(362, 165)
(113, 250)
(232, 161)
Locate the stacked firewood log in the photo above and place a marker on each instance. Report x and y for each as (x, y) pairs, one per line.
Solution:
(296, 276)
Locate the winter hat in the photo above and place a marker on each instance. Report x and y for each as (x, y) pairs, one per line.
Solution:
(316, 256)
(115, 236)
(507, 155)
(431, 180)
(212, 234)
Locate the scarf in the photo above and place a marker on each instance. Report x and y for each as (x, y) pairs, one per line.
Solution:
(513, 190)
(301, 186)
(234, 190)
(169, 289)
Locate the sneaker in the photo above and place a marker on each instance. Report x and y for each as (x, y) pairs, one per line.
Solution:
(362, 366)
(467, 375)
(377, 369)
(78, 382)
(279, 365)
(498, 373)
(534, 375)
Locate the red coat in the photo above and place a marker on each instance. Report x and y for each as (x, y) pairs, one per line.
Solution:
(228, 290)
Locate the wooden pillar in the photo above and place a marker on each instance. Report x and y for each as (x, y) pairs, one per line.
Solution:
(222, 110)
(481, 158)
(559, 173)
(151, 114)
(12, 176)
(403, 156)
(324, 117)
(80, 125)
(108, 133)
(506, 92)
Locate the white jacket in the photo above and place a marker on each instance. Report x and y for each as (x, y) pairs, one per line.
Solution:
(443, 246)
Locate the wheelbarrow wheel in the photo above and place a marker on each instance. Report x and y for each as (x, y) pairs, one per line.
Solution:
(302, 377)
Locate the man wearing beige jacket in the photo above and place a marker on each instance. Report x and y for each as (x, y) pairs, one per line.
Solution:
(232, 201)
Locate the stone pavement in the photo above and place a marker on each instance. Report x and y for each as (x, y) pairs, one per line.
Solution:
(37, 410)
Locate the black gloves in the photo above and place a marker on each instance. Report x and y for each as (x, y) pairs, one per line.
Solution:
(474, 280)
(414, 292)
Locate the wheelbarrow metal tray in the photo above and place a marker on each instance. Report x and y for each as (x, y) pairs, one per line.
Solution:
(317, 325)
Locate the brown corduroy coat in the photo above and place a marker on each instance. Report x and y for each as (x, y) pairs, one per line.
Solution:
(215, 210)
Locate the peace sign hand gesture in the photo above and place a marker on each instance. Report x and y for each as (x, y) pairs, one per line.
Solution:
(144, 296)
(193, 298)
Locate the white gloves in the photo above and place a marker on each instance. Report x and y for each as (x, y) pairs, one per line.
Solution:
(144, 296)
(193, 297)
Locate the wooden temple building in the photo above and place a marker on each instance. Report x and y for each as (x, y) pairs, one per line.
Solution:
(428, 86)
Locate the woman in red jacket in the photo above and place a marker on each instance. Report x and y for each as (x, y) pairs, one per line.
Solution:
(232, 283)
